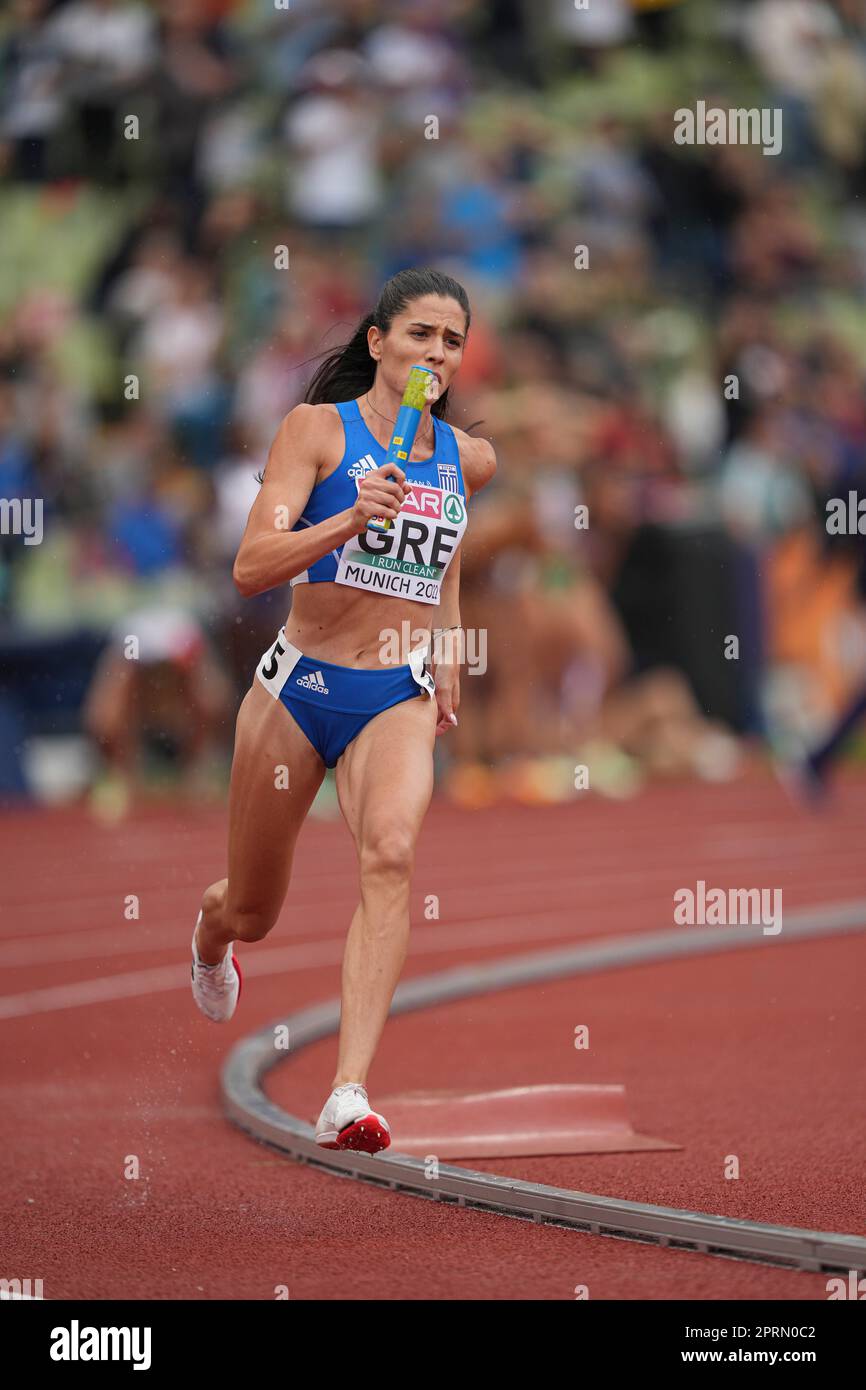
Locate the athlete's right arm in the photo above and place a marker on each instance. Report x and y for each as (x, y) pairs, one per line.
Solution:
(270, 552)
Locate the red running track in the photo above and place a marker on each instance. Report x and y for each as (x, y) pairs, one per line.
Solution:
(105, 1060)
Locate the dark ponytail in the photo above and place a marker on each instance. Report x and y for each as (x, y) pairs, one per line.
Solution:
(349, 371)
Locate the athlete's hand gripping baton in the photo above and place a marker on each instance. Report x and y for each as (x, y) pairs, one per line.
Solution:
(421, 387)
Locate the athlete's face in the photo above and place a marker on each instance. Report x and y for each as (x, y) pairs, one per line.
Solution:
(431, 331)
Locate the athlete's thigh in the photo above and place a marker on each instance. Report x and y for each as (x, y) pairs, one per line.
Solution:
(385, 776)
(276, 773)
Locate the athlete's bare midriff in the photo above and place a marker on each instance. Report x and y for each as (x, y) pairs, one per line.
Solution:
(332, 622)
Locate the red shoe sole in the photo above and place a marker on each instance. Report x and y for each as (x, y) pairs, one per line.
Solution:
(237, 966)
(365, 1134)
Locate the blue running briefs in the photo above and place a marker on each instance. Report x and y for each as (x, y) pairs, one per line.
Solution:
(331, 704)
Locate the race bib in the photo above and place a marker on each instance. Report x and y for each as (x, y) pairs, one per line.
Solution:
(410, 560)
(277, 664)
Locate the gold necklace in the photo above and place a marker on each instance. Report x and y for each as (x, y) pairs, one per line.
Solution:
(393, 422)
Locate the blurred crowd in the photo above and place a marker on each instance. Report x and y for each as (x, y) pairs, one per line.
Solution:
(671, 406)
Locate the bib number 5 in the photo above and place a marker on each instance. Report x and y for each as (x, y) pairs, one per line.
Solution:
(272, 667)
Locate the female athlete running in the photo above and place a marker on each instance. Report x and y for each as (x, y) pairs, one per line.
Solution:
(325, 693)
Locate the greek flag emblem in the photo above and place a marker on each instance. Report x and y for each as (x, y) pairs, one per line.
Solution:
(448, 477)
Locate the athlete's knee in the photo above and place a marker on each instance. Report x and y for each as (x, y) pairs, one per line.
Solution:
(245, 923)
(250, 924)
(214, 898)
(389, 852)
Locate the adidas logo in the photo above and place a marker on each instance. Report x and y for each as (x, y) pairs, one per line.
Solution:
(315, 681)
(362, 466)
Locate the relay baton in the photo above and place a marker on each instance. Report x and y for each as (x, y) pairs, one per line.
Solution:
(421, 387)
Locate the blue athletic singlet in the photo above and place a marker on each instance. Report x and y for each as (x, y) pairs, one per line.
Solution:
(411, 559)
(332, 704)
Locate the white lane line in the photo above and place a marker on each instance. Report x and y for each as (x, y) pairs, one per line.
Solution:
(423, 941)
(123, 940)
(126, 938)
(16, 917)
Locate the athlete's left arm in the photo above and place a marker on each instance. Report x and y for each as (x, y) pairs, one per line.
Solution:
(477, 464)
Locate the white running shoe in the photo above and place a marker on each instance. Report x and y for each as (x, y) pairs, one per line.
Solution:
(347, 1122)
(215, 988)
